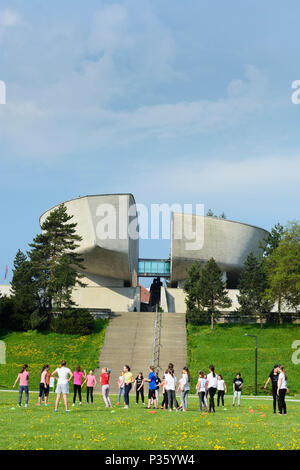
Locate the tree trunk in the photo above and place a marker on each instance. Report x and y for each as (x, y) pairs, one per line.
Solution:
(212, 321)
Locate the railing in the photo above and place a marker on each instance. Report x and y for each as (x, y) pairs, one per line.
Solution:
(154, 268)
(157, 339)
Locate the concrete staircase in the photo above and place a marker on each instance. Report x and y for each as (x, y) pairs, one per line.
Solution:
(129, 340)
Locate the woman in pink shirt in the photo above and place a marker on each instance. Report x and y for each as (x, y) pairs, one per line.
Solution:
(90, 384)
(23, 376)
(77, 383)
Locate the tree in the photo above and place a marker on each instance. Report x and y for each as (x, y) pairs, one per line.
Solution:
(24, 294)
(206, 293)
(54, 261)
(272, 240)
(252, 286)
(283, 270)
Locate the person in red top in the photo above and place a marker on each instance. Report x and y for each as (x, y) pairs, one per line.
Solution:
(104, 377)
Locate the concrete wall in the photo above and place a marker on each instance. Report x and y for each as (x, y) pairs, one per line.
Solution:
(113, 256)
(5, 289)
(176, 300)
(117, 299)
(229, 243)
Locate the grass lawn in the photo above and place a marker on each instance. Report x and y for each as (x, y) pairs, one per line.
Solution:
(230, 351)
(95, 427)
(36, 349)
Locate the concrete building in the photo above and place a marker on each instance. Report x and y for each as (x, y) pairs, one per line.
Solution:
(109, 227)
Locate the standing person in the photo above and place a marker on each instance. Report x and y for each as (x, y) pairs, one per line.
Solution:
(164, 405)
(184, 387)
(128, 380)
(78, 374)
(23, 376)
(171, 366)
(139, 388)
(170, 386)
(237, 388)
(212, 379)
(121, 385)
(281, 390)
(152, 387)
(64, 376)
(44, 385)
(201, 390)
(104, 377)
(273, 377)
(222, 389)
(90, 384)
(158, 384)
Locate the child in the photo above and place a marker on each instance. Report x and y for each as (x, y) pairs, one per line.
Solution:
(201, 389)
(237, 388)
(23, 376)
(212, 388)
(121, 384)
(64, 377)
(222, 389)
(104, 377)
(139, 387)
(90, 384)
(44, 385)
(128, 380)
(152, 387)
(164, 405)
(158, 384)
(273, 377)
(184, 388)
(281, 390)
(77, 383)
(170, 386)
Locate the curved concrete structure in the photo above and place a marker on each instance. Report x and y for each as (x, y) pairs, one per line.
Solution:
(229, 243)
(108, 252)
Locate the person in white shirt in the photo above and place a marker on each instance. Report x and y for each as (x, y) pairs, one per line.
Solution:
(212, 379)
(200, 389)
(222, 389)
(64, 376)
(169, 384)
(184, 387)
(281, 390)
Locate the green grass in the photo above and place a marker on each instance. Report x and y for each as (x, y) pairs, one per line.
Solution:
(95, 427)
(230, 351)
(36, 349)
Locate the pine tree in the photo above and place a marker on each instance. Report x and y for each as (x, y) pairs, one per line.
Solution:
(23, 290)
(283, 271)
(206, 293)
(252, 286)
(54, 261)
(272, 240)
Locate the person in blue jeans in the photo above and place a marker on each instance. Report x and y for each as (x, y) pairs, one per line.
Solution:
(23, 376)
(152, 387)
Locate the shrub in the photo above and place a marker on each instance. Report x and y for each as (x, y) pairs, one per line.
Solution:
(75, 321)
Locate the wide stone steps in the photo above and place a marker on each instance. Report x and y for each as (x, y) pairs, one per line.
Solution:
(129, 340)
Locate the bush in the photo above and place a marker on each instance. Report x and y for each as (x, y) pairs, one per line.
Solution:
(75, 321)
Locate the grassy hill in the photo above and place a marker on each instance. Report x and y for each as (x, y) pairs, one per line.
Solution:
(230, 351)
(36, 349)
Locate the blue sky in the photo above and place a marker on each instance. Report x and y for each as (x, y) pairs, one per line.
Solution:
(173, 101)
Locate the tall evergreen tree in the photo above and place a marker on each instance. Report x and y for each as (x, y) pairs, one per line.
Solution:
(283, 271)
(55, 262)
(272, 240)
(206, 293)
(252, 286)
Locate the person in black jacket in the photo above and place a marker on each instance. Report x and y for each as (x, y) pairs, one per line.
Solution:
(273, 377)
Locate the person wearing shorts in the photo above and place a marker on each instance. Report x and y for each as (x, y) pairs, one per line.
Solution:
(44, 385)
(152, 387)
(64, 376)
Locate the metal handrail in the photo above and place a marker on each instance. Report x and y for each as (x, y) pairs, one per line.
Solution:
(156, 339)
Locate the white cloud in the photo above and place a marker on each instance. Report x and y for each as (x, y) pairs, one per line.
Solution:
(9, 18)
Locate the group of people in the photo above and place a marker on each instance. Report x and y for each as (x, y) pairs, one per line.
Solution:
(207, 387)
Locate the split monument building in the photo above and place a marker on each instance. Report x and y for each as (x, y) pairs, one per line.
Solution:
(110, 231)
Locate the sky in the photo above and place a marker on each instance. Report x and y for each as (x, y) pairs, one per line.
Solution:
(174, 102)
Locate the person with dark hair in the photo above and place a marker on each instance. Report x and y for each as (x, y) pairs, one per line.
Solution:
(281, 390)
(128, 380)
(62, 388)
(184, 388)
(212, 380)
(273, 377)
(78, 374)
(169, 383)
(23, 376)
(152, 387)
(237, 388)
(44, 385)
(222, 389)
(139, 388)
(164, 404)
(200, 389)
